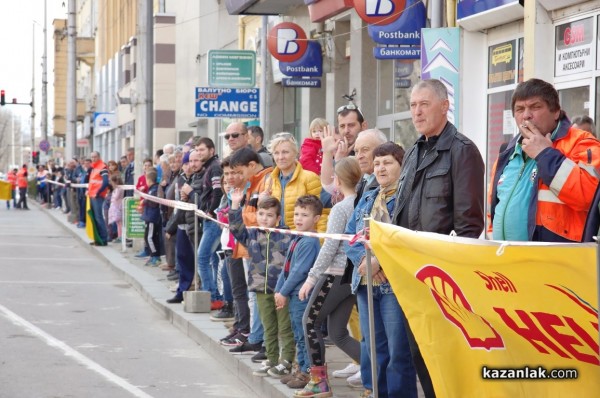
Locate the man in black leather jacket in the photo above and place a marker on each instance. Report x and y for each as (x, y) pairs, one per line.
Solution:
(442, 182)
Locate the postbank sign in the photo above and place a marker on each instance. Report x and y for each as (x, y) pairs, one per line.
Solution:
(299, 59)
(395, 25)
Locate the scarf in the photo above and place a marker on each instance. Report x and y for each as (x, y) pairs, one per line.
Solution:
(380, 212)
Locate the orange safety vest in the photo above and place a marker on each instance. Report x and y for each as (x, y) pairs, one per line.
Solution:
(96, 180)
(22, 178)
(576, 182)
(12, 178)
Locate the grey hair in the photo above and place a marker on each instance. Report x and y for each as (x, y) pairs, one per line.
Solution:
(434, 85)
(375, 133)
(169, 148)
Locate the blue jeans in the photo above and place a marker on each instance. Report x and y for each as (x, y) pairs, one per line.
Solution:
(256, 327)
(227, 294)
(297, 309)
(207, 250)
(184, 253)
(96, 204)
(396, 375)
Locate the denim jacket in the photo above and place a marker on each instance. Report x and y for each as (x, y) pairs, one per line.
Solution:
(356, 223)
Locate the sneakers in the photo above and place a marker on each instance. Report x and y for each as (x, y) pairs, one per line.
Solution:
(295, 371)
(300, 381)
(153, 262)
(230, 335)
(263, 371)
(348, 371)
(80, 224)
(173, 275)
(225, 314)
(173, 287)
(142, 253)
(260, 356)
(246, 347)
(216, 305)
(355, 380)
(236, 340)
(284, 368)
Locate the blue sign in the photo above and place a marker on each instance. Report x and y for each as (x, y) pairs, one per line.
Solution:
(468, 8)
(235, 103)
(301, 82)
(406, 52)
(440, 60)
(310, 64)
(405, 30)
(44, 145)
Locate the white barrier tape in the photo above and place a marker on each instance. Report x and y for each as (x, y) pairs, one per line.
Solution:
(124, 187)
(190, 207)
(54, 182)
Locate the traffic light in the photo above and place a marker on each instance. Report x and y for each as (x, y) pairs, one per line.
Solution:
(35, 157)
(2, 98)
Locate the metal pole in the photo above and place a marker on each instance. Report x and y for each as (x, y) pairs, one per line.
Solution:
(195, 242)
(263, 73)
(71, 81)
(32, 96)
(372, 345)
(12, 123)
(143, 86)
(437, 10)
(45, 68)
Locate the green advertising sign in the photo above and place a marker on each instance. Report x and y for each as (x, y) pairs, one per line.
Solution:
(134, 226)
(232, 68)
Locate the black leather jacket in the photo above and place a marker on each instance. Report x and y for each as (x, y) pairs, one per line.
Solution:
(445, 191)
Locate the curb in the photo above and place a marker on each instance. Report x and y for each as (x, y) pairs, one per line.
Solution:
(198, 327)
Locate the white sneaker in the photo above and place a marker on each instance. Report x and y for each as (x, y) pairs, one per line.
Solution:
(348, 371)
(355, 380)
(174, 287)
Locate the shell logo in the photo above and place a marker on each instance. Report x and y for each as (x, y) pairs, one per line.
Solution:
(456, 308)
(287, 42)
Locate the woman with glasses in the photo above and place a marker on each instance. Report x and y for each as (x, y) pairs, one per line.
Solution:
(289, 180)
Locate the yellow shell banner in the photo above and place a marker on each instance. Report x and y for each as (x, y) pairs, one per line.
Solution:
(519, 320)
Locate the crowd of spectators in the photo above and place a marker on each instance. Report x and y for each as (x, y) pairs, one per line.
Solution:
(280, 289)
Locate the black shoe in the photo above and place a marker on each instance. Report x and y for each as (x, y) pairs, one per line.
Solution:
(246, 347)
(173, 276)
(224, 314)
(175, 300)
(260, 355)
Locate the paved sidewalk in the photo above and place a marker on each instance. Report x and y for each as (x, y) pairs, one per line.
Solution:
(153, 286)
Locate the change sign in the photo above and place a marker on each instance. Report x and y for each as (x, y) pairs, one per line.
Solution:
(235, 103)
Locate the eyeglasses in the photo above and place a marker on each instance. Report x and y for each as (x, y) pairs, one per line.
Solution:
(232, 135)
(285, 136)
(350, 107)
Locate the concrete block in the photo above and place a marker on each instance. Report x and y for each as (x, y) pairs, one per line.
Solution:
(196, 301)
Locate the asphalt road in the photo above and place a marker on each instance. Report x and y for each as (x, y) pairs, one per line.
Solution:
(69, 327)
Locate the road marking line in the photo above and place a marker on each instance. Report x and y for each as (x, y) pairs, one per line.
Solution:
(64, 283)
(45, 259)
(70, 352)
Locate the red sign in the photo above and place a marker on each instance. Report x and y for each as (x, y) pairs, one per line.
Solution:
(287, 42)
(379, 12)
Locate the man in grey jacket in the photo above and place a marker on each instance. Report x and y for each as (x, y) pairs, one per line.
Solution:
(442, 182)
